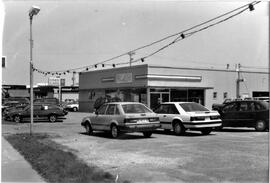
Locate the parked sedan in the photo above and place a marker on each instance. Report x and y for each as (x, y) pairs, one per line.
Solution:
(246, 113)
(72, 107)
(50, 112)
(180, 116)
(121, 117)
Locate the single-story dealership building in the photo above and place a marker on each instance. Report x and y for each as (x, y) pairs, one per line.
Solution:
(151, 84)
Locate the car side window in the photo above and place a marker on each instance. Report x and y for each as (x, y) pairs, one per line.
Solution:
(117, 110)
(162, 109)
(258, 107)
(173, 109)
(243, 106)
(230, 107)
(251, 106)
(102, 109)
(110, 109)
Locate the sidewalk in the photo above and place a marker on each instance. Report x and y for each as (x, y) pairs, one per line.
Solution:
(15, 168)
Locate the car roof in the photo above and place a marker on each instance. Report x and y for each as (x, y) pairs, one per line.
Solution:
(123, 103)
(178, 102)
(239, 101)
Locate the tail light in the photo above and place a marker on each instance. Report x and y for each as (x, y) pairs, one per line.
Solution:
(214, 117)
(153, 119)
(130, 120)
(197, 118)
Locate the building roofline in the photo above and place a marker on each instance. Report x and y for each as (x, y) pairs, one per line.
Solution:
(170, 67)
(206, 69)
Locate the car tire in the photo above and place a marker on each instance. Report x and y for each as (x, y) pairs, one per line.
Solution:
(89, 129)
(178, 128)
(147, 134)
(52, 118)
(260, 125)
(17, 119)
(206, 131)
(75, 109)
(114, 131)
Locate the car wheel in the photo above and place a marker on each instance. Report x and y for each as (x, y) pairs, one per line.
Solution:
(52, 118)
(178, 128)
(17, 119)
(147, 134)
(114, 131)
(75, 109)
(206, 131)
(260, 126)
(89, 129)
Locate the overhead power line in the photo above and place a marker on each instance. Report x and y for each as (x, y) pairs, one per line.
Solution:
(179, 36)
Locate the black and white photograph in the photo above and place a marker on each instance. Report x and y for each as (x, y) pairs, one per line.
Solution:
(135, 91)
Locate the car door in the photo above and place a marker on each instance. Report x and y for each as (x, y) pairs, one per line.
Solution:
(228, 114)
(245, 115)
(166, 113)
(109, 116)
(38, 112)
(99, 117)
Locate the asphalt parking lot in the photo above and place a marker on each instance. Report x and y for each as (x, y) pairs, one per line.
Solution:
(230, 155)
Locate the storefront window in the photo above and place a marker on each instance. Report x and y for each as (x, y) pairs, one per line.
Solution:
(187, 95)
(128, 95)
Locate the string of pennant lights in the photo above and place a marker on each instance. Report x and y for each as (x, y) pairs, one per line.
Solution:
(179, 37)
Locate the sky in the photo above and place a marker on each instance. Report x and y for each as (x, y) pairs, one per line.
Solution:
(73, 34)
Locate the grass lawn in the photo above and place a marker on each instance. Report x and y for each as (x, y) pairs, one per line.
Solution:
(53, 163)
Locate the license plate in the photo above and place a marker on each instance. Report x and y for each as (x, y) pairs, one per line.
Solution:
(143, 121)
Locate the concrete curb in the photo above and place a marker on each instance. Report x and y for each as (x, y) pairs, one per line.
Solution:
(15, 168)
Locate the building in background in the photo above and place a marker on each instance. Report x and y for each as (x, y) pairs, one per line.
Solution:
(151, 85)
(42, 91)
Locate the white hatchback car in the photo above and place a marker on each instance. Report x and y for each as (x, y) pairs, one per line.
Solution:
(181, 116)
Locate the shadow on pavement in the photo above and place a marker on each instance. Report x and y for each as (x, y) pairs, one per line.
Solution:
(186, 134)
(125, 136)
(237, 130)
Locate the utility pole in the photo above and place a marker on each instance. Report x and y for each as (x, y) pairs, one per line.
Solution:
(59, 90)
(238, 80)
(33, 11)
(130, 57)
(73, 79)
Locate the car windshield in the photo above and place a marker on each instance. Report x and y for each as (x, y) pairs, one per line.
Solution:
(135, 108)
(190, 107)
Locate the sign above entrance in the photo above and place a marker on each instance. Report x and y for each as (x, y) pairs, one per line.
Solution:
(123, 78)
(54, 81)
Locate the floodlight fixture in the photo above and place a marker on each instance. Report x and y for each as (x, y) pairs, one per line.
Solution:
(33, 11)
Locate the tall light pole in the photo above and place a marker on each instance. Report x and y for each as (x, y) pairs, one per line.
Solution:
(33, 11)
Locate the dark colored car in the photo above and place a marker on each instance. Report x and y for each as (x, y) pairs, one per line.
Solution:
(219, 106)
(50, 112)
(246, 113)
(13, 102)
(47, 101)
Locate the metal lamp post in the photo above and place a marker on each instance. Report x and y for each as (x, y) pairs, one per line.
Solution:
(33, 11)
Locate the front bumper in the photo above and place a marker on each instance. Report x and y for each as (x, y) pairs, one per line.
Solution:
(139, 127)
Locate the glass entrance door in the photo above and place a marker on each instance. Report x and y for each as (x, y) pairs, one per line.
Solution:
(157, 98)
